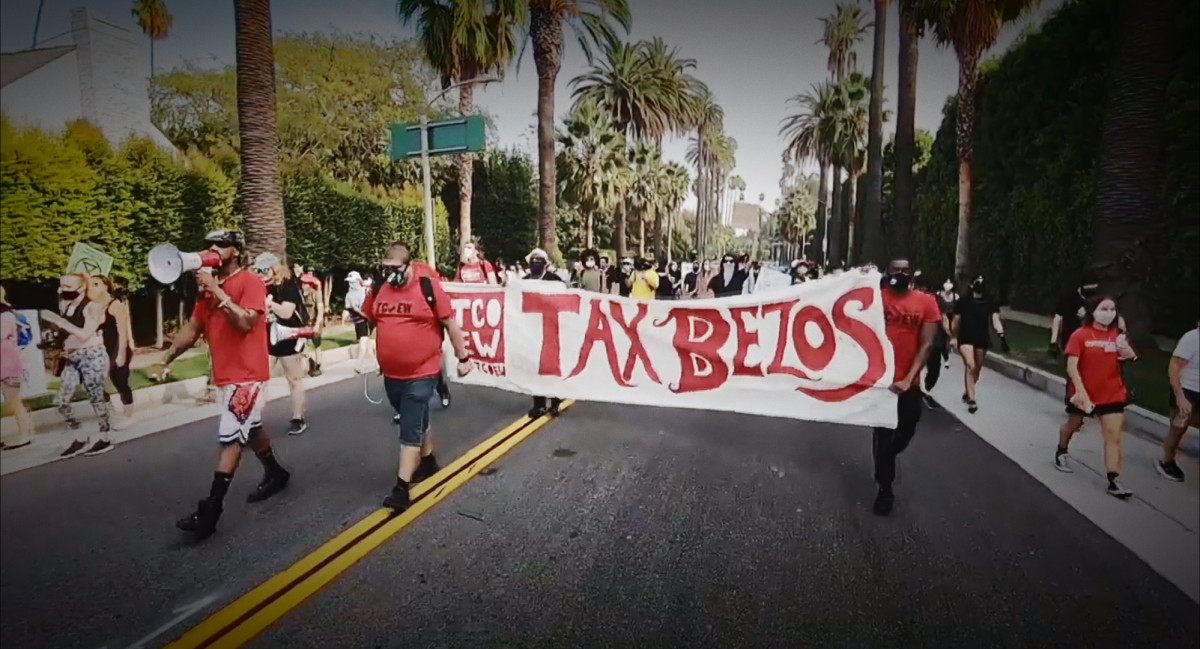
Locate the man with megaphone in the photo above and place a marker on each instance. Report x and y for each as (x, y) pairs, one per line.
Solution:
(230, 313)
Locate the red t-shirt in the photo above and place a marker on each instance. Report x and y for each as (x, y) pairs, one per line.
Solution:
(236, 357)
(480, 272)
(1099, 365)
(408, 339)
(904, 315)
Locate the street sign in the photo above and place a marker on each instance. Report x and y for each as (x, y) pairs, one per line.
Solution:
(89, 260)
(458, 135)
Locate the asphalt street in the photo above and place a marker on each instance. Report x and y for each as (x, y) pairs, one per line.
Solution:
(614, 526)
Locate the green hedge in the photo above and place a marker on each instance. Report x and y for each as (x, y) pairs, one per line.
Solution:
(1037, 149)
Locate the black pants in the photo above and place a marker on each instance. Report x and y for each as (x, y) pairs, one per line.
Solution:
(933, 366)
(120, 378)
(888, 443)
(443, 388)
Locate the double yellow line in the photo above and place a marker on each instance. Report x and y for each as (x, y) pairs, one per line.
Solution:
(239, 623)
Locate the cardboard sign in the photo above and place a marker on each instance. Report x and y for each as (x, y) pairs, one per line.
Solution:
(88, 260)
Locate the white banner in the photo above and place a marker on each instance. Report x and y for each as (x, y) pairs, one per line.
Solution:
(816, 351)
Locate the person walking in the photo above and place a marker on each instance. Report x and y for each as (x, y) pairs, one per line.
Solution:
(314, 307)
(356, 294)
(973, 315)
(1183, 374)
(911, 319)
(1095, 387)
(12, 372)
(86, 361)
(538, 272)
(230, 313)
(412, 314)
(940, 354)
(285, 308)
(118, 342)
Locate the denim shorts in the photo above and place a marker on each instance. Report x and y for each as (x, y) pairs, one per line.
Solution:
(410, 399)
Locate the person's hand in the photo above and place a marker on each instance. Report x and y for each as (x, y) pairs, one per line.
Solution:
(464, 368)
(901, 386)
(1004, 344)
(1082, 401)
(206, 281)
(270, 301)
(954, 344)
(1183, 410)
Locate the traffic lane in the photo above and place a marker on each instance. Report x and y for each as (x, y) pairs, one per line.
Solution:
(90, 554)
(636, 527)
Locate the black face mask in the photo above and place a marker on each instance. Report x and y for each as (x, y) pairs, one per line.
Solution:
(396, 275)
(537, 266)
(67, 296)
(898, 282)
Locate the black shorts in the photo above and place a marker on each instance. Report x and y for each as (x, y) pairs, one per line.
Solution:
(1098, 409)
(1191, 395)
(975, 339)
(362, 329)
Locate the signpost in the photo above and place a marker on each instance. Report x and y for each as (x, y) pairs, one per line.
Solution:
(459, 135)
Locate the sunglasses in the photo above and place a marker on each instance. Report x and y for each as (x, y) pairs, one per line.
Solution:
(263, 271)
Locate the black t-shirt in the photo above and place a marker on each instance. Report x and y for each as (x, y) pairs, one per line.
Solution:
(975, 316)
(719, 288)
(689, 282)
(1071, 308)
(617, 276)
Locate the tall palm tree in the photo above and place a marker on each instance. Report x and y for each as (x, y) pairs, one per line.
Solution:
(590, 21)
(808, 140)
(912, 27)
(647, 90)
(970, 27)
(872, 216)
(848, 133)
(591, 164)
(709, 118)
(261, 202)
(645, 195)
(154, 19)
(674, 194)
(1130, 239)
(464, 39)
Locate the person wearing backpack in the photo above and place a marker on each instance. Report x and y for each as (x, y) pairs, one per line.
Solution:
(15, 333)
(411, 314)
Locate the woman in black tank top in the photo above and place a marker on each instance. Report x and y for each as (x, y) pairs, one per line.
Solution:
(117, 341)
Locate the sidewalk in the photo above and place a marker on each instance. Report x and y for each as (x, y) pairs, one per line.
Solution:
(1160, 524)
(158, 408)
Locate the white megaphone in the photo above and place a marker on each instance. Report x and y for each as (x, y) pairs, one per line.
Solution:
(167, 263)
(282, 334)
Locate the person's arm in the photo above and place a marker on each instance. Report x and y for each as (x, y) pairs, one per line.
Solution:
(1055, 330)
(998, 324)
(183, 340)
(652, 279)
(320, 323)
(928, 331)
(367, 308)
(122, 318)
(1175, 377)
(243, 318)
(1081, 398)
(91, 322)
(282, 310)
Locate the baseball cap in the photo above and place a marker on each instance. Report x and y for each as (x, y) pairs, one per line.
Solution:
(225, 237)
(266, 261)
(538, 253)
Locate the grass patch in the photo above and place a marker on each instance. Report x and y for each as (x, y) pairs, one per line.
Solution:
(1147, 377)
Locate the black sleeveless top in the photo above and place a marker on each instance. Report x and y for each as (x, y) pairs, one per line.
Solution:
(78, 318)
(110, 333)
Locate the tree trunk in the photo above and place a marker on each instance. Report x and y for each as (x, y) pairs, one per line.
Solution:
(588, 226)
(906, 110)
(872, 217)
(619, 216)
(1131, 235)
(657, 234)
(151, 58)
(852, 221)
(642, 234)
(545, 31)
(261, 201)
(466, 96)
(818, 251)
(964, 135)
(834, 233)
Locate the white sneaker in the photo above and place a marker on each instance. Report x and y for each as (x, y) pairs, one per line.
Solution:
(119, 422)
(1060, 463)
(1118, 490)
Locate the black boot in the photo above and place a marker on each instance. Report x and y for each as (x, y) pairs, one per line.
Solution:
(203, 522)
(397, 501)
(428, 466)
(272, 483)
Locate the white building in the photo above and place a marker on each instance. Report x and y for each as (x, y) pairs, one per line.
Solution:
(97, 76)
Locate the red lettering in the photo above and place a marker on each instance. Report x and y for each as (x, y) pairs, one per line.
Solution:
(865, 337)
(636, 349)
(785, 316)
(745, 338)
(696, 347)
(599, 331)
(814, 358)
(549, 306)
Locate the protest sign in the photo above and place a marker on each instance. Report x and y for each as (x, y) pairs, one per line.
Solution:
(816, 351)
(88, 260)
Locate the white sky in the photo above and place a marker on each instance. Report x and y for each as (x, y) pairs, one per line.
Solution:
(754, 54)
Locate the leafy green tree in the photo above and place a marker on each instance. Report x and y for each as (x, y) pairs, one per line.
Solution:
(591, 165)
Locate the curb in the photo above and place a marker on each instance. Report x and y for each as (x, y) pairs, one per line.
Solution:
(1138, 421)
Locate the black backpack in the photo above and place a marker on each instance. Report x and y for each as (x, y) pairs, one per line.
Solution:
(427, 291)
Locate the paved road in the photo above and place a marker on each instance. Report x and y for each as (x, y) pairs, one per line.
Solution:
(612, 527)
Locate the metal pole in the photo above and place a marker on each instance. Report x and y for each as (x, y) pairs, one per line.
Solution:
(429, 253)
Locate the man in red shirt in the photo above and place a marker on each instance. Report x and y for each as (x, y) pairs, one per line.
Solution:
(409, 331)
(912, 318)
(229, 313)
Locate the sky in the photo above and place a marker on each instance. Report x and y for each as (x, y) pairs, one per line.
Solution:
(753, 54)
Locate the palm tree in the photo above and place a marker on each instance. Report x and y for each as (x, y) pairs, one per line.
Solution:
(645, 195)
(155, 21)
(872, 216)
(590, 20)
(970, 27)
(674, 194)
(709, 117)
(1130, 218)
(848, 128)
(912, 27)
(808, 140)
(464, 39)
(648, 92)
(261, 202)
(591, 164)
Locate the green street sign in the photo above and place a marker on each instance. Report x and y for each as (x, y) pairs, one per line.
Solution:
(459, 135)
